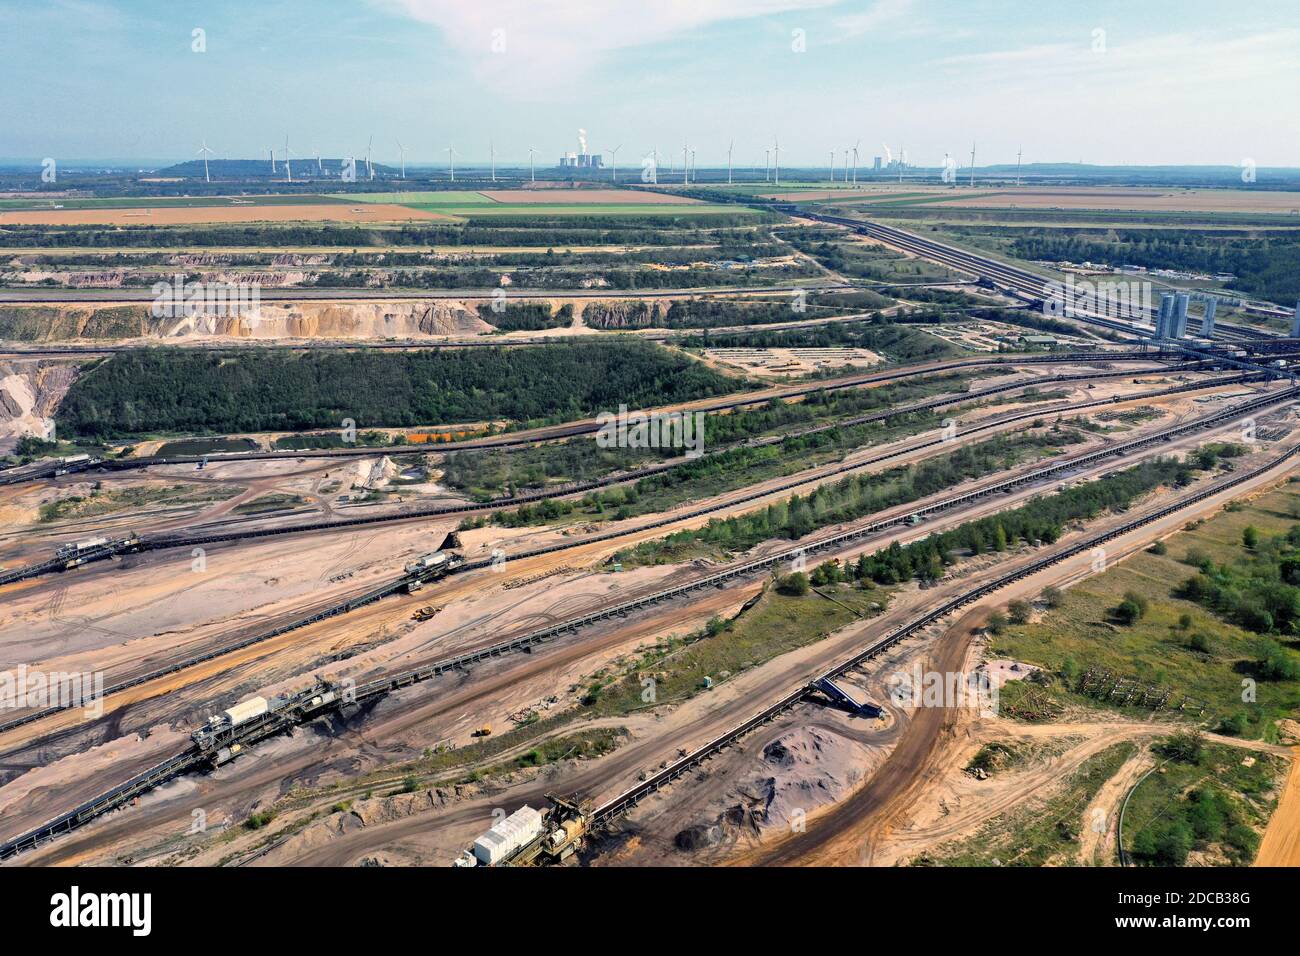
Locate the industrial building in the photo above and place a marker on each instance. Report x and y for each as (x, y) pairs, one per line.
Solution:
(1207, 321)
(1164, 317)
(582, 161)
(1171, 320)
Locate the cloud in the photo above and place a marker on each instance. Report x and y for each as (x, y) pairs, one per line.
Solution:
(523, 45)
(882, 12)
(1165, 61)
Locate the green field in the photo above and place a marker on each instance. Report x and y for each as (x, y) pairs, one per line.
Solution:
(1204, 657)
(449, 197)
(475, 211)
(1216, 805)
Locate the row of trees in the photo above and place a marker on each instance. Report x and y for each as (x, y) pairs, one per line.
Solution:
(1040, 521)
(897, 343)
(1265, 264)
(855, 497)
(536, 231)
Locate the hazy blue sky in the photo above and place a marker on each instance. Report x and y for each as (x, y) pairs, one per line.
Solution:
(1192, 81)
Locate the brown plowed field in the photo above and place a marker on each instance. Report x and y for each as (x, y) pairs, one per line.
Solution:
(193, 215)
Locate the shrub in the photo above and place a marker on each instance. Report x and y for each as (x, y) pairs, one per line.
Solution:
(794, 584)
(1277, 664)
(1128, 612)
(1184, 747)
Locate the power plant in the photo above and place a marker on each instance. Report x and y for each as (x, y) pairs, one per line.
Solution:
(581, 159)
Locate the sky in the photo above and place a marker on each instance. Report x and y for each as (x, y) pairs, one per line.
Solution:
(1134, 82)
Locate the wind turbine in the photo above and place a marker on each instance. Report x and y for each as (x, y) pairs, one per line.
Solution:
(204, 151)
(832, 165)
(492, 160)
(694, 176)
(767, 164)
(288, 170)
(370, 167)
(654, 165)
(451, 161)
(613, 160)
(776, 160)
(686, 169)
(972, 164)
(1018, 154)
(401, 157)
(532, 169)
(730, 149)
(855, 161)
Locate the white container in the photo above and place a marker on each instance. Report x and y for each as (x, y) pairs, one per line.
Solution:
(246, 710)
(509, 836)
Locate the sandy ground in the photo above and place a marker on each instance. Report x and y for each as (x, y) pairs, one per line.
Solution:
(1281, 843)
(380, 636)
(129, 617)
(181, 215)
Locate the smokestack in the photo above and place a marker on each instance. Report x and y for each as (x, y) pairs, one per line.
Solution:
(1207, 323)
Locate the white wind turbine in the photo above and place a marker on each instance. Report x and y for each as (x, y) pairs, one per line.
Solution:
(532, 169)
(855, 161)
(730, 149)
(451, 161)
(204, 152)
(832, 165)
(694, 176)
(370, 167)
(654, 165)
(613, 160)
(288, 170)
(686, 169)
(776, 161)
(401, 157)
(492, 160)
(767, 164)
